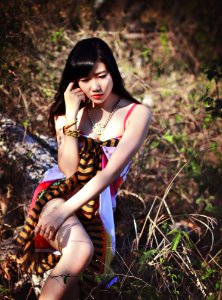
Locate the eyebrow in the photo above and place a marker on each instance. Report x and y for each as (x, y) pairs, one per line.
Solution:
(97, 73)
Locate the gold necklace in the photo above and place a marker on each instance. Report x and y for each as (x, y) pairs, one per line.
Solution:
(98, 128)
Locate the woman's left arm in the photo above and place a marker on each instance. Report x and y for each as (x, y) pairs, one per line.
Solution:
(131, 141)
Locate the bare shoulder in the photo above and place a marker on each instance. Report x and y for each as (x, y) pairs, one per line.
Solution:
(140, 108)
(141, 117)
(142, 111)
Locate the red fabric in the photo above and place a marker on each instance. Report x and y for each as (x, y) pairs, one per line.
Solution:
(128, 114)
(115, 186)
(40, 242)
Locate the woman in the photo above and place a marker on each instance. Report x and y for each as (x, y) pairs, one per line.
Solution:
(99, 127)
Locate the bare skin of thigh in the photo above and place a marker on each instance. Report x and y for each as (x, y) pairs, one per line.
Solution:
(76, 250)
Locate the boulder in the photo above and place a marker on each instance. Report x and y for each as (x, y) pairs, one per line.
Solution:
(23, 160)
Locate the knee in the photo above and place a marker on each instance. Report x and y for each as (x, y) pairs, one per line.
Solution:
(51, 205)
(81, 255)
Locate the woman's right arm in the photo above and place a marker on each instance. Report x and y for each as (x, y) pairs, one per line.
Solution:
(68, 156)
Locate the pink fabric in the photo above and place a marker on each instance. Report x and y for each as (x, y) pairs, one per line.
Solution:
(104, 161)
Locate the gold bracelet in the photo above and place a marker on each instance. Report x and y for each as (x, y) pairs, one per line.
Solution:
(73, 133)
(68, 126)
(65, 131)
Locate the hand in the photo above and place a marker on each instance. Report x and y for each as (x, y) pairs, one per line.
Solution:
(48, 225)
(73, 98)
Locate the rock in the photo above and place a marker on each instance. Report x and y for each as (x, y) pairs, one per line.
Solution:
(23, 160)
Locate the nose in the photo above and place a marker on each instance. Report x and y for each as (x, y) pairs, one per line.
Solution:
(95, 86)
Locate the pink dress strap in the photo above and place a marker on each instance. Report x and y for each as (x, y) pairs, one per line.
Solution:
(129, 113)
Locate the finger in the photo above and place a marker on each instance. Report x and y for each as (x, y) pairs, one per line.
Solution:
(42, 232)
(80, 94)
(53, 232)
(70, 86)
(37, 230)
(78, 91)
(51, 236)
(46, 235)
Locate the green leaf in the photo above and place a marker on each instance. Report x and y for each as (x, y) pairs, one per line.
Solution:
(154, 144)
(147, 255)
(172, 231)
(178, 118)
(169, 138)
(185, 234)
(205, 95)
(176, 241)
(214, 146)
(25, 123)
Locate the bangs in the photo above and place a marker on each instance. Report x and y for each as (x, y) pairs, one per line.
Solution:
(83, 62)
(82, 69)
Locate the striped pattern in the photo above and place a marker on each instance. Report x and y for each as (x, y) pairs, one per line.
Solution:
(90, 163)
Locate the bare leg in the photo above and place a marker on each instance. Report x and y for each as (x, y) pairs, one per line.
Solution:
(77, 252)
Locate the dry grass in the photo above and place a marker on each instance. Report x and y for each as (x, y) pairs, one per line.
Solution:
(169, 210)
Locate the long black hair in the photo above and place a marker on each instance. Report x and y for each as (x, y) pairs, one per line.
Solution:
(79, 64)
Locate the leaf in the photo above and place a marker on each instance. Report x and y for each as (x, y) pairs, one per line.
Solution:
(147, 255)
(176, 241)
(214, 146)
(172, 231)
(205, 95)
(154, 144)
(185, 234)
(25, 123)
(178, 118)
(169, 138)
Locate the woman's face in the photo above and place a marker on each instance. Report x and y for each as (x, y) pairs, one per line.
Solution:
(98, 85)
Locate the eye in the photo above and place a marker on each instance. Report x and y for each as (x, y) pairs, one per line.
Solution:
(84, 79)
(102, 76)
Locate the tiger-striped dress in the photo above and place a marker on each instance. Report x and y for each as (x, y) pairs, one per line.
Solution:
(96, 216)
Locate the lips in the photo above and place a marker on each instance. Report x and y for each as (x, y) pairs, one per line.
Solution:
(97, 96)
